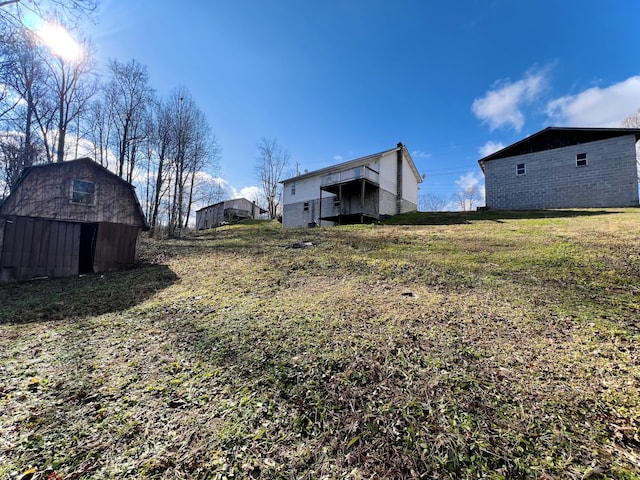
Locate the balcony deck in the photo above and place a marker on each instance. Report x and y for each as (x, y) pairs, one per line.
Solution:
(331, 182)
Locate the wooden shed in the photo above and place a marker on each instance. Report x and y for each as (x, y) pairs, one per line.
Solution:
(68, 218)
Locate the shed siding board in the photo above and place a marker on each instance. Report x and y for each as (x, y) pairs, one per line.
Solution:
(53, 248)
(38, 247)
(74, 251)
(552, 179)
(115, 246)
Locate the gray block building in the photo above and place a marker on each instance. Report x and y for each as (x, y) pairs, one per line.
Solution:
(564, 168)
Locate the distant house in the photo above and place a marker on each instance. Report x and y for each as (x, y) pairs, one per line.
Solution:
(67, 218)
(227, 211)
(564, 168)
(358, 191)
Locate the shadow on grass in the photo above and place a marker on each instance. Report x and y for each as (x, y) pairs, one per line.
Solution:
(457, 218)
(81, 296)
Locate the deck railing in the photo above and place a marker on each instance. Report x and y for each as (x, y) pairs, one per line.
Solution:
(351, 174)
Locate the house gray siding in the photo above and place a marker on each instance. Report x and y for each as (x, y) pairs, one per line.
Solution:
(552, 179)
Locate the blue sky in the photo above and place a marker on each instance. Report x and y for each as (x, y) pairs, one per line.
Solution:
(334, 80)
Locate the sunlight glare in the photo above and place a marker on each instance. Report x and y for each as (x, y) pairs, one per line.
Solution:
(59, 41)
(55, 37)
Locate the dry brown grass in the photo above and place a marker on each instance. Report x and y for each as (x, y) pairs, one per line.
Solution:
(479, 347)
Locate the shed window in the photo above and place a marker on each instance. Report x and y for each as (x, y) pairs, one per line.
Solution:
(306, 206)
(520, 169)
(581, 160)
(83, 192)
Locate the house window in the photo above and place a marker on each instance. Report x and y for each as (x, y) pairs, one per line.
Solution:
(520, 169)
(83, 192)
(336, 203)
(293, 188)
(581, 160)
(306, 206)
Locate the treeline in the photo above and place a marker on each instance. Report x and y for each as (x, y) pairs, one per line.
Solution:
(57, 105)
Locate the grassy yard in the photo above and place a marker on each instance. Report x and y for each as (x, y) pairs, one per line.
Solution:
(486, 345)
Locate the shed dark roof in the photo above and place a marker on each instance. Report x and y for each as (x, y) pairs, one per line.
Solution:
(557, 137)
(92, 164)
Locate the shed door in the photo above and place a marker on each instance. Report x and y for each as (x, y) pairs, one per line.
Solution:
(88, 234)
(115, 246)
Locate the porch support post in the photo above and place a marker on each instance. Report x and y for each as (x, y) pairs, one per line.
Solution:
(320, 210)
(362, 187)
(340, 204)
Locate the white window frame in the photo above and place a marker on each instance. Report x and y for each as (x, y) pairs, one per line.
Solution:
(581, 157)
(521, 169)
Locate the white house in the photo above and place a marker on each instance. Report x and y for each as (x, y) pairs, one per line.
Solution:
(561, 167)
(358, 191)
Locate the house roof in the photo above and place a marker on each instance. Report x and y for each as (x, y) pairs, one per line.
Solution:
(92, 164)
(262, 210)
(558, 137)
(355, 163)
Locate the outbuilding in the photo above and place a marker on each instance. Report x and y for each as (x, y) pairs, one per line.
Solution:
(227, 211)
(68, 218)
(563, 167)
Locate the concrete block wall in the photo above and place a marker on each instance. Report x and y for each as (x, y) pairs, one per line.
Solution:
(552, 179)
(294, 215)
(387, 202)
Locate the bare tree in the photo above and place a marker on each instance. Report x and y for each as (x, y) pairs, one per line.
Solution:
(161, 145)
(205, 153)
(97, 124)
(209, 192)
(272, 162)
(11, 158)
(23, 76)
(71, 87)
(431, 202)
(11, 11)
(184, 146)
(129, 96)
(468, 198)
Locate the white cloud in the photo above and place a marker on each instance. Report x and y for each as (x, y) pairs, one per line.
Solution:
(251, 193)
(338, 158)
(469, 180)
(419, 154)
(597, 107)
(501, 106)
(490, 147)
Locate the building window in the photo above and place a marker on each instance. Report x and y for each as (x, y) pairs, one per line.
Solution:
(520, 169)
(336, 203)
(83, 192)
(581, 160)
(293, 188)
(306, 206)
